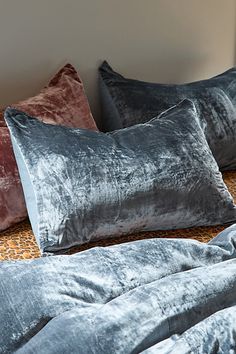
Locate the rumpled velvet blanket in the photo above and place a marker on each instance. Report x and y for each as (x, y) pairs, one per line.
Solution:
(152, 296)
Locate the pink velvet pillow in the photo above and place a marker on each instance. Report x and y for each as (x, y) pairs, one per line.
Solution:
(12, 204)
(62, 101)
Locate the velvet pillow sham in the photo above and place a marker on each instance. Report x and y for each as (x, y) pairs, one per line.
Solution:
(82, 185)
(126, 102)
(62, 101)
(12, 204)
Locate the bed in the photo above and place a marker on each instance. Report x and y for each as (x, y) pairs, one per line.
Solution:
(18, 242)
(163, 296)
(147, 292)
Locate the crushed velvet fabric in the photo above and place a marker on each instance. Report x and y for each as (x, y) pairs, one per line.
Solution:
(12, 204)
(214, 335)
(82, 186)
(126, 102)
(2, 121)
(62, 101)
(151, 296)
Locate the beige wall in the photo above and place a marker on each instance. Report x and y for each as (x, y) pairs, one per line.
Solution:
(156, 40)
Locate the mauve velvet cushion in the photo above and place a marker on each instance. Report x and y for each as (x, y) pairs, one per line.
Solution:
(82, 185)
(12, 204)
(126, 102)
(63, 102)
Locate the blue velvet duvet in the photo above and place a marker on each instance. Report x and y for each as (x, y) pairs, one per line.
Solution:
(151, 296)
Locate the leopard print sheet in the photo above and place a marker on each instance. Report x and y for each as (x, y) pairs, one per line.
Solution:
(18, 242)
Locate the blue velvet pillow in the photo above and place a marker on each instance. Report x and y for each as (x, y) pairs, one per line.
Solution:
(126, 102)
(82, 185)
